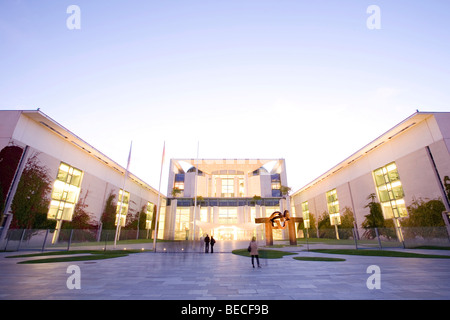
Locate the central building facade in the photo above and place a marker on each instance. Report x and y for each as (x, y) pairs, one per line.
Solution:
(223, 197)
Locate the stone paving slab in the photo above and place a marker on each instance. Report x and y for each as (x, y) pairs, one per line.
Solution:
(225, 276)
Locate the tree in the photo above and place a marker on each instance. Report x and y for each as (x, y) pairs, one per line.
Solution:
(256, 199)
(425, 219)
(9, 161)
(375, 219)
(447, 186)
(425, 214)
(81, 219)
(324, 226)
(346, 226)
(31, 200)
(109, 213)
(285, 191)
(176, 192)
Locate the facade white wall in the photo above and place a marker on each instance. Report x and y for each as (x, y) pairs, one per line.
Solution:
(354, 182)
(99, 179)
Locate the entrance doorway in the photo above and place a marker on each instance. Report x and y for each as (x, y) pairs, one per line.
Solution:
(225, 233)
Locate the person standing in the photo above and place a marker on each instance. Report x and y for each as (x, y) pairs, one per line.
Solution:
(207, 244)
(213, 241)
(254, 252)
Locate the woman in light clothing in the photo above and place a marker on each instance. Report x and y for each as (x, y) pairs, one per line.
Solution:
(254, 252)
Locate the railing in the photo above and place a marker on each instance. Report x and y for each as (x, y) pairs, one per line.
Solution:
(406, 237)
(72, 239)
(76, 239)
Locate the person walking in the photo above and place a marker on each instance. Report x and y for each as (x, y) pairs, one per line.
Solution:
(254, 252)
(213, 241)
(207, 244)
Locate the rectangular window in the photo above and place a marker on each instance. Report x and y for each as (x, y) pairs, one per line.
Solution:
(228, 187)
(390, 191)
(241, 187)
(333, 207)
(65, 193)
(305, 212)
(228, 215)
(162, 217)
(122, 206)
(149, 215)
(182, 223)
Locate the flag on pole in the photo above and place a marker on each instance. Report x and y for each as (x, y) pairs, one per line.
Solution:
(129, 159)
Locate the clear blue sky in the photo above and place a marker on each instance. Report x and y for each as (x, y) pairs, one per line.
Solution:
(303, 80)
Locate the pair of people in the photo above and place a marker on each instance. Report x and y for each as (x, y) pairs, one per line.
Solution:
(209, 241)
(253, 247)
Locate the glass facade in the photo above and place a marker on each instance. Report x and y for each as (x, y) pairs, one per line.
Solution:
(122, 207)
(227, 215)
(390, 191)
(227, 187)
(182, 223)
(65, 193)
(333, 207)
(149, 215)
(276, 185)
(305, 212)
(233, 194)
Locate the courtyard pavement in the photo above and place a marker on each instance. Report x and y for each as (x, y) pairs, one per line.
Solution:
(226, 276)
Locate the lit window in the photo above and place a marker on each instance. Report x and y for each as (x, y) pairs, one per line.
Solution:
(65, 193)
(124, 205)
(333, 207)
(228, 215)
(182, 223)
(305, 211)
(227, 187)
(149, 215)
(390, 191)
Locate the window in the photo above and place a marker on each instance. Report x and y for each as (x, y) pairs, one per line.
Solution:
(204, 214)
(228, 215)
(390, 191)
(227, 187)
(65, 193)
(241, 187)
(122, 207)
(305, 211)
(162, 217)
(149, 215)
(276, 185)
(179, 181)
(333, 207)
(182, 223)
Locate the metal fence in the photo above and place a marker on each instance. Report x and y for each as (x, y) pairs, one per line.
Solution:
(76, 239)
(73, 239)
(406, 237)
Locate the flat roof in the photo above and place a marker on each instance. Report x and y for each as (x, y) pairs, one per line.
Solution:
(211, 165)
(56, 128)
(400, 128)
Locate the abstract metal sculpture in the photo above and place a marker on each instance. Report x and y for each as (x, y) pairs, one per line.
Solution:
(278, 220)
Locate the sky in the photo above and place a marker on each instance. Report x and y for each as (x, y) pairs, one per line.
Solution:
(308, 81)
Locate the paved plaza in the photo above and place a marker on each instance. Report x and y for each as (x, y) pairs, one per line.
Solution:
(226, 276)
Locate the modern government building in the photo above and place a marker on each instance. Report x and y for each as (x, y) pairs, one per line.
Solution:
(223, 197)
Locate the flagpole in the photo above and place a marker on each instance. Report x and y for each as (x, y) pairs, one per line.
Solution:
(123, 196)
(159, 200)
